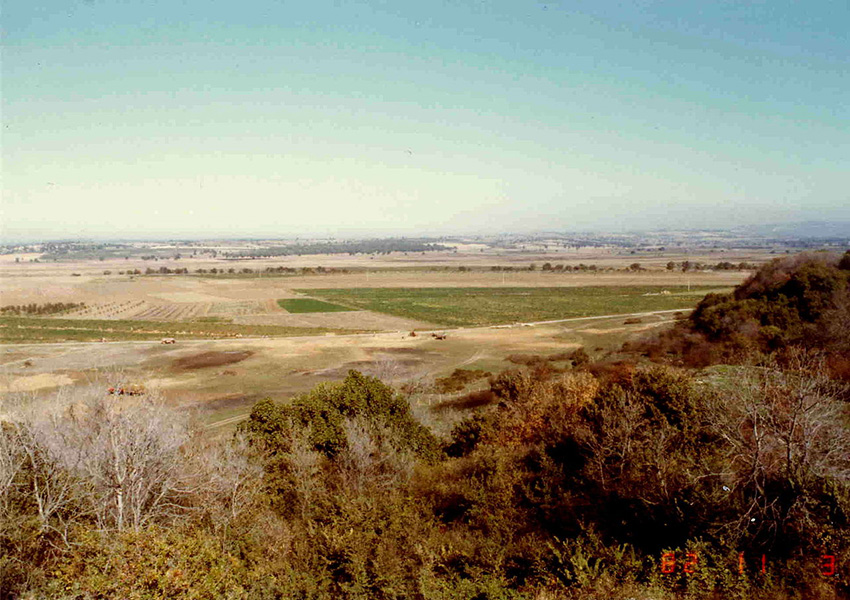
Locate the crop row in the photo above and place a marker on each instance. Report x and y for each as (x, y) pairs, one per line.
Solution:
(172, 312)
(108, 310)
(232, 309)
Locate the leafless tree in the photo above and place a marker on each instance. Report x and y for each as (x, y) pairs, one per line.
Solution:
(230, 479)
(781, 425)
(12, 458)
(31, 477)
(120, 460)
(370, 459)
(130, 453)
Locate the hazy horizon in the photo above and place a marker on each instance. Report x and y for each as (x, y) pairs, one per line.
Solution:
(272, 120)
(799, 231)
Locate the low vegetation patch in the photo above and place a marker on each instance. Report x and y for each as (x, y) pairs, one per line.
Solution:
(469, 401)
(461, 307)
(459, 379)
(32, 329)
(577, 357)
(527, 360)
(210, 359)
(309, 305)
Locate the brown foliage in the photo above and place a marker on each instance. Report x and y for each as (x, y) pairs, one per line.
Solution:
(801, 300)
(458, 380)
(531, 406)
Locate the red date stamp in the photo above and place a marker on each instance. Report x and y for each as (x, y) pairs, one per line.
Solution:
(688, 563)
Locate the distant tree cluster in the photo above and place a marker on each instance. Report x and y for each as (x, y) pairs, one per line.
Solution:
(78, 250)
(268, 270)
(687, 265)
(50, 308)
(549, 268)
(383, 246)
(166, 271)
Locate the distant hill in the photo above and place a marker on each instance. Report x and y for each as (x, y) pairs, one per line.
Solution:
(799, 230)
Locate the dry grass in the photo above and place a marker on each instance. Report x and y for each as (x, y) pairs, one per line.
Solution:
(282, 367)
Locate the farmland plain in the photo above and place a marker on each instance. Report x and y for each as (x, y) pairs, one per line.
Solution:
(483, 299)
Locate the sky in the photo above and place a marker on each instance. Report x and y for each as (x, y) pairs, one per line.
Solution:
(187, 118)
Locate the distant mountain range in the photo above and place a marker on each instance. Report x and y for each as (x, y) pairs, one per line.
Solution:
(800, 230)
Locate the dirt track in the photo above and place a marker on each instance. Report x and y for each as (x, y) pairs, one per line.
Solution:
(325, 337)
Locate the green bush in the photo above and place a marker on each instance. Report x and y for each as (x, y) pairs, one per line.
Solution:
(324, 410)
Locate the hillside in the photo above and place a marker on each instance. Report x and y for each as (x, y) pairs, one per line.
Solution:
(798, 301)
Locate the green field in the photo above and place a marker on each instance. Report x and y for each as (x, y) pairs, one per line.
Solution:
(32, 329)
(465, 307)
(309, 305)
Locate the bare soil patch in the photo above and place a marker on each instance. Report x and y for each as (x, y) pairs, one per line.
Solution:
(417, 352)
(210, 359)
(229, 402)
(383, 369)
(190, 297)
(32, 383)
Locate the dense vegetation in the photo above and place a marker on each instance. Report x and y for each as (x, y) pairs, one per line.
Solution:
(585, 481)
(570, 486)
(799, 301)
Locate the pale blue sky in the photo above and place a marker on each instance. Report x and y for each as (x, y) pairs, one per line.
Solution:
(279, 118)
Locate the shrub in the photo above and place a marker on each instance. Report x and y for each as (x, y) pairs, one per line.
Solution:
(323, 411)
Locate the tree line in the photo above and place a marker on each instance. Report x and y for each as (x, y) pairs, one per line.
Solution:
(33, 308)
(687, 265)
(379, 246)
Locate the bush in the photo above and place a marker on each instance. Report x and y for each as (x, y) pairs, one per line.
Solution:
(324, 410)
(801, 300)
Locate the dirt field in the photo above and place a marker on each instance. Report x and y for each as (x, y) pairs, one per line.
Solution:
(32, 282)
(221, 379)
(252, 302)
(20, 288)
